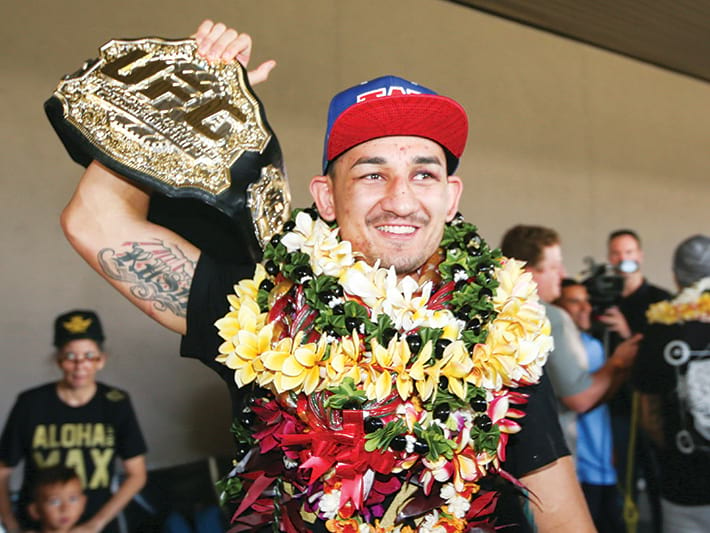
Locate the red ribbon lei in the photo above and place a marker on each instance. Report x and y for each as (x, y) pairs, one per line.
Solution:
(343, 449)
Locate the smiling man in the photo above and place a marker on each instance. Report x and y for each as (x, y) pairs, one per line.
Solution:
(400, 199)
(594, 452)
(391, 149)
(400, 192)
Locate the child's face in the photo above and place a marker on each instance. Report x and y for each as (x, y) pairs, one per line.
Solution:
(79, 361)
(59, 506)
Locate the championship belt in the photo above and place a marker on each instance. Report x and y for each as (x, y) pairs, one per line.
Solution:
(192, 132)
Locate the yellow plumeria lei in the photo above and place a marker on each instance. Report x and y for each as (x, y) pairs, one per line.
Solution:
(692, 304)
(320, 328)
(514, 351)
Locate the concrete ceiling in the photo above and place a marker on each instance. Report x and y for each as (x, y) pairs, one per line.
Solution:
(671, 34)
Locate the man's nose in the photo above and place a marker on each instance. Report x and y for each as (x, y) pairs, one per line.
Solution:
(400, 197)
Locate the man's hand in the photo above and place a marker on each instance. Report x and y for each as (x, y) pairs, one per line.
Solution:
(218, 43)
(615, 321)
(625, 353)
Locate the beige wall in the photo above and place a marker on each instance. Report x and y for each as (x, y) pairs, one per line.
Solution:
(562, 134)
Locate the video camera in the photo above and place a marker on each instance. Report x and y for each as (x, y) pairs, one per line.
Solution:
(604, 285)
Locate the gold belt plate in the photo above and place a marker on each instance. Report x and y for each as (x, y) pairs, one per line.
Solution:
(158, 108)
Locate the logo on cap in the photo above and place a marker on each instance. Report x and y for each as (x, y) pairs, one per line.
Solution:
(77, 325)
(391, 90)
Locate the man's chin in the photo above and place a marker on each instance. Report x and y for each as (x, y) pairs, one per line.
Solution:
(402, 265)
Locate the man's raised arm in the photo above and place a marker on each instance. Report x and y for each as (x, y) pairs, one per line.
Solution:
(106, 219)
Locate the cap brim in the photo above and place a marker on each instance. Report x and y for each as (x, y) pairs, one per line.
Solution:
(433, 117)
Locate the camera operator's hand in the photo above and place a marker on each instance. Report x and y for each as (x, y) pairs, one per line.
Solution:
(615, 321)
(625, 353)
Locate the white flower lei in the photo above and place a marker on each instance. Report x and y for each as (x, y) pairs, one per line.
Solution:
(300, 363)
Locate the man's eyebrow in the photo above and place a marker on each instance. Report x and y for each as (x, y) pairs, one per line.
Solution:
(418, 160)
(369, 161)
(427, 160)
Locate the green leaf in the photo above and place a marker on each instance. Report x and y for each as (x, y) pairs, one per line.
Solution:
(486, 440)
(429, 334)
(439, 445)
(356, 310)
(377, 331)
(240, 432)
(262, 300)
(295, 260)
(380, 439)
(230, 489)
(344, 394)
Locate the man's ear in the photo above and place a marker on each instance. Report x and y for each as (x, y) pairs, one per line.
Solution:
(455, 190)
(321, 188)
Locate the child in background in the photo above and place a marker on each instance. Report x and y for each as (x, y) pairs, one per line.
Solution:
(97, 423)
(58, 499)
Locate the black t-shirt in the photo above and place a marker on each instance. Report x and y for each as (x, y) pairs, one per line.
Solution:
(42, 430)
(634, 308)
(635, 305)
(675, 365)
(212, 282)
(539, 443)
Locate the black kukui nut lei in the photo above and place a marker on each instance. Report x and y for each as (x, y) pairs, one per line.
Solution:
(421, 447)
(398, 443)
(442, 412)
(372, 424)
(415, 343)
(478, 404)
(271, 268)
(484, 423)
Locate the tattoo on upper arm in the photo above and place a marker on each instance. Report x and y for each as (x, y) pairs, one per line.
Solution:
(157, 272)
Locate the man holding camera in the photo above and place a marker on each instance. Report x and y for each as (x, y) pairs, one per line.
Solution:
(627, 317)
(625, 255)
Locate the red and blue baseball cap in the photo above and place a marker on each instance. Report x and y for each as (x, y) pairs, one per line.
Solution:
(390, 106)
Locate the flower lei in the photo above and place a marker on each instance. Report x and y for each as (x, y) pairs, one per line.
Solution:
(382, 403)
(693, 303)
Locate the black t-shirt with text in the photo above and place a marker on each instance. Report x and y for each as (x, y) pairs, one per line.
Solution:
(42, 430)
